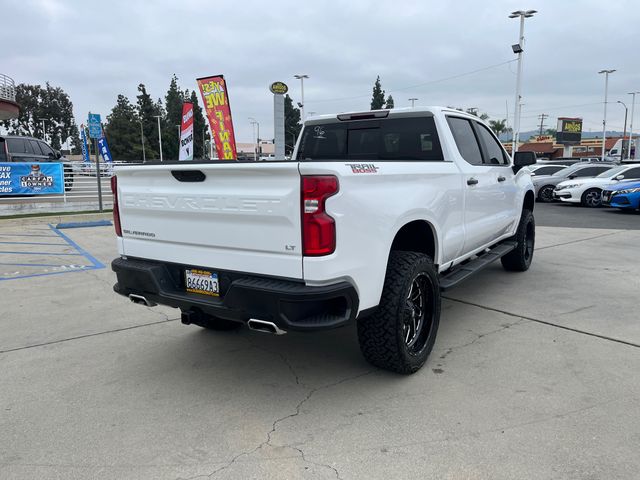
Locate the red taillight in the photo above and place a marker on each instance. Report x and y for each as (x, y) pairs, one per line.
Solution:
(116, 211)
(318, 228)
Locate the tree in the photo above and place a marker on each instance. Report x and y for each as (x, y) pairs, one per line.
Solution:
(173, 101)
(123, 131)
(551, 131)
(292, 125)
(147, 110)
(474, 111)
(49, 103)
(389, 103)
(498, 126)
(377, 98)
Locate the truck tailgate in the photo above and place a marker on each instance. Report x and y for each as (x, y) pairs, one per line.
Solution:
(240, 216)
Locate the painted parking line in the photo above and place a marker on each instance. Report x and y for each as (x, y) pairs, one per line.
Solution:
(49, 268)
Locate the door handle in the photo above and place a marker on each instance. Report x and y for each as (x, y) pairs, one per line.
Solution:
(472, 181)
(501, 178)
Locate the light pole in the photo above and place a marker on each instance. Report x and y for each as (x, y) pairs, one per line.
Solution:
(413, 101)
(255, 122)
(519, 49)
(159, 136)
(604, 119)
(44, 128)
(624, 130)
(301, 77)
(144, 157)
(633, 104)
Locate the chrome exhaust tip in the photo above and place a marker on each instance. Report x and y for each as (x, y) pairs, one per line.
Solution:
(265, 327)
(140, 300)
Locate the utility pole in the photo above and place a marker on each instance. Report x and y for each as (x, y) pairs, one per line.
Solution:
(542, 117)
(604, 118)
(519, 49)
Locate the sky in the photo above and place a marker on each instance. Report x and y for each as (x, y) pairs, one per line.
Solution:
(443, 53)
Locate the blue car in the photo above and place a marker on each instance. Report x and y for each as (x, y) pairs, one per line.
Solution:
(625, 196)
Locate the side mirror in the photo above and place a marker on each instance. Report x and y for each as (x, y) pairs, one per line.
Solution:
(522, 159)
(619, 177)
(58, 155)
(571, 177)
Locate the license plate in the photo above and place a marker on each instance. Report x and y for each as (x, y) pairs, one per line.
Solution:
(202, 282)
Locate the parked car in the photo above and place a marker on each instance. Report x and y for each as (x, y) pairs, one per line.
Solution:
(544, 169)
(15, 148)
(376, 213)
(545, 184)
(625, 196)
(588, 191)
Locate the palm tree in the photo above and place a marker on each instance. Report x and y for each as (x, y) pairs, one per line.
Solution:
(498, 126)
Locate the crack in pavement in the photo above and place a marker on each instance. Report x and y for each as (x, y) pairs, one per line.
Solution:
(581, 240)
(544, 322)
(478, 337)
(63, 340)
(274, 428)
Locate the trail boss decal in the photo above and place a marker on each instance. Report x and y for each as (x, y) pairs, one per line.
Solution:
(363, 167)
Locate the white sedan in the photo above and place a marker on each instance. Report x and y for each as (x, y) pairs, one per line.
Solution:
(588, 191)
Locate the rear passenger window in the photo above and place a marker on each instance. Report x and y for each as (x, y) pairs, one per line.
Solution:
(590, 171)
(16, 145)
(495, 154)
(465, 139)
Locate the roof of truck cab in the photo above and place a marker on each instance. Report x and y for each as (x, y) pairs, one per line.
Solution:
(392, 112)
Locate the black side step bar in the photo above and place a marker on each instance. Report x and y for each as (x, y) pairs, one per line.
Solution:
(462, 272)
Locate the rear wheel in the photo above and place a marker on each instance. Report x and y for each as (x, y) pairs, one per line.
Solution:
(592, 198)
(519, 259)
(545, 194)
(400, 335)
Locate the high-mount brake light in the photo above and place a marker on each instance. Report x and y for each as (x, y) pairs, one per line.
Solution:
(318, 227)
(116, 210)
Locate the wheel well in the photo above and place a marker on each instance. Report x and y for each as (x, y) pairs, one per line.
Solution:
(416, 236)
(529, 201)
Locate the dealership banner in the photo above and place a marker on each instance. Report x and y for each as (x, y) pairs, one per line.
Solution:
(186, 132)
(31, 178)
(85, 148)
(216, 103)
(103, 148)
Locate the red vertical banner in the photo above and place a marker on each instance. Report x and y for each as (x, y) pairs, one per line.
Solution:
(216, 104)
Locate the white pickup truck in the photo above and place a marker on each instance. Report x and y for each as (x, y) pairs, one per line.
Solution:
(375, 214)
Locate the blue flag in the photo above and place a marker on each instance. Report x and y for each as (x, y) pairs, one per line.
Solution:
(85, 148)
(103, 147)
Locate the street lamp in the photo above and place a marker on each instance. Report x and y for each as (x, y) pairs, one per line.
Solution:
(413, 101)
(624, 130)
(44, 128)
(254, 122)
(604, 119)
(633, 104)
(301, 77)
(159, 136)
(144, 157)
(519, 50)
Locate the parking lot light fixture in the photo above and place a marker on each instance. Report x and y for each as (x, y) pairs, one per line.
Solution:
(633, 104)
(624, 130)
(413, 101)
(301, 77)
(159, 136)
(604, 118)
(519, 50)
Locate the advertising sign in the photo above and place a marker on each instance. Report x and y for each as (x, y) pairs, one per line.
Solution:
(95, 126)
(216, 103)
(31, 178)
(279, 88)
(85, 148)
(186, 132)
(103, 148)
(569, 131)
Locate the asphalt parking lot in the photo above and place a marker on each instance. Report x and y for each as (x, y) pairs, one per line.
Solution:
(533, 375)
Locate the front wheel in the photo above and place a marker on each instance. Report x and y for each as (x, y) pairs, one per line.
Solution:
(592, 198)
(519, 259)
(545, 194)
(400, 335)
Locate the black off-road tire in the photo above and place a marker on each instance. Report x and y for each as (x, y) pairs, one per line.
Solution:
(519, 259)
(383, 335)
(592, 198)
(545, 194)
(218, 324)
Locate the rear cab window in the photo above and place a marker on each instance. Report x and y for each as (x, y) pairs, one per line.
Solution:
(399, 139)
(17, 145)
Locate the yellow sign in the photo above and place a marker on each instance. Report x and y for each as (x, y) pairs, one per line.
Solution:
(279, 88)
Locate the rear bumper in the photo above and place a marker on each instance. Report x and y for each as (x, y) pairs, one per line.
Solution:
(290, 304)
